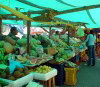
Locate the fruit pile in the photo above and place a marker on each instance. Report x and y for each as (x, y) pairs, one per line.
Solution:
(43, 69)
(18, 73)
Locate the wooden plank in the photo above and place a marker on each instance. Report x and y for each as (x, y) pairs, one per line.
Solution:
(49, 83)
(53, 82)
(5, 18)
(31, 12)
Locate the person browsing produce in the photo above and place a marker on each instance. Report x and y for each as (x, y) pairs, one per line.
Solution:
(90, 40)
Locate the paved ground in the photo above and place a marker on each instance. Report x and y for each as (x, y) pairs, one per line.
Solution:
(88, 76)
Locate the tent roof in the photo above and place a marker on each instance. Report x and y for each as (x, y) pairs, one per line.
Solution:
(90, 16)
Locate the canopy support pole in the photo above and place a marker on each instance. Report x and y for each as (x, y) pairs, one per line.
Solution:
(28, 36)
(0, 25)
(50, 32)
(84, 26)
(44, 29)
(68, 35)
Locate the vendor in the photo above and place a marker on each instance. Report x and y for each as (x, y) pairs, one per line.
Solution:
(2, 37)
(13, 33)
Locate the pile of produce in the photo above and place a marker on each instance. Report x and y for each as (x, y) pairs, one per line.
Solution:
(43, 69)
(45, 41)
(58, 42)
(70, 64)
(18, 73)
(59, 60)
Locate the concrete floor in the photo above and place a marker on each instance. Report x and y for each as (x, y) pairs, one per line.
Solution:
(88, 76)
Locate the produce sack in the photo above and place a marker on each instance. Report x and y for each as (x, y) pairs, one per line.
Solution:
(80, 32)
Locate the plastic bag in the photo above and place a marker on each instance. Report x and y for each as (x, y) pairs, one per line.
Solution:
(80, 32)
(13, 65)
(33, 84)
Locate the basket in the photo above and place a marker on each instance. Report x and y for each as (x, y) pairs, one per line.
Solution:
(70, 76)
(82, 53)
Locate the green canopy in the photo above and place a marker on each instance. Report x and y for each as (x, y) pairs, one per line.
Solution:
(86, 11)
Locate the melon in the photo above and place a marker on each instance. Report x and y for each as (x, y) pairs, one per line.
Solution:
(8, 47)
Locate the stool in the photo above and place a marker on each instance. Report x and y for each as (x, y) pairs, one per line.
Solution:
(49, 83)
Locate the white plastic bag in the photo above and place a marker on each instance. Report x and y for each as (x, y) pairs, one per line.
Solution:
(33, 84)
(80, 32)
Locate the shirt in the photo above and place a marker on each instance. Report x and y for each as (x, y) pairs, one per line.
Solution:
(90, 39)
(13, 36)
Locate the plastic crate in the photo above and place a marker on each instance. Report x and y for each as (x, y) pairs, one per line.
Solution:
(70, 76)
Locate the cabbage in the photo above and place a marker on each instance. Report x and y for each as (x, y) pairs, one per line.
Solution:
(22, 41)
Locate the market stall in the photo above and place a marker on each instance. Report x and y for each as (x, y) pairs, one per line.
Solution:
(42, 57)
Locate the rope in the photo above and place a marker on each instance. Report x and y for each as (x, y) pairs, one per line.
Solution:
(65, 3)
(90, 16)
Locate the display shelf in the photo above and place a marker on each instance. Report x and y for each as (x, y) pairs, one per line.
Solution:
(39, 63)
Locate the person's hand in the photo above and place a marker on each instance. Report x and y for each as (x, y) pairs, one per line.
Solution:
(84, 43)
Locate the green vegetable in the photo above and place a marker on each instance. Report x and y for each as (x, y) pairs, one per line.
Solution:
(1, 44)
(3, 66)
(33, 53)
(22, 41)
(2, 50)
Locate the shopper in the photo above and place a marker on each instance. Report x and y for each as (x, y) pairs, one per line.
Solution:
(90, 40)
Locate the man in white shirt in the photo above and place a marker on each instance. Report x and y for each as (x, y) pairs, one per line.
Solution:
(90, 40)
